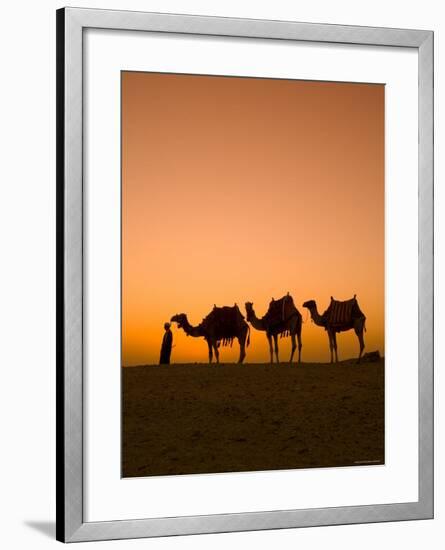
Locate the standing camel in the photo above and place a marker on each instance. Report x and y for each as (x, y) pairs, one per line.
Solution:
(282, 318)
(221, 326)
(339, 317)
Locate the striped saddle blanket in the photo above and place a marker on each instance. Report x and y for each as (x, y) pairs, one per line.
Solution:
(342, 313)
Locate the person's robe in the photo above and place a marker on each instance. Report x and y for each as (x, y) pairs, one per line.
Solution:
(166, 348)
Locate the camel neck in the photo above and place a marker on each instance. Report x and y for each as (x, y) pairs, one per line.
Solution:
(191, 330)
(257, 324)
(316, 317)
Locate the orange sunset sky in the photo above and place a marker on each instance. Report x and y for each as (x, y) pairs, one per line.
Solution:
(242, 189)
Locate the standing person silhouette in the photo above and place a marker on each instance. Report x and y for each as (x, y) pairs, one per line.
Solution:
(166, 347)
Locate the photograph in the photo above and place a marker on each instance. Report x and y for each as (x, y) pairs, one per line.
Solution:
(252, 274)
(222, 225)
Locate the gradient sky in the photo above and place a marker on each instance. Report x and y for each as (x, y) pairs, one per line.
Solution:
(242, 189)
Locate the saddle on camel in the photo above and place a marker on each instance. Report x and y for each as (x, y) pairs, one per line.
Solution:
(224, 321)
(279, 312)
(340, 315)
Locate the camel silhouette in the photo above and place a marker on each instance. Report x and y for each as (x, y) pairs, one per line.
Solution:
(220, 326)
(339, 317)
(282, 318)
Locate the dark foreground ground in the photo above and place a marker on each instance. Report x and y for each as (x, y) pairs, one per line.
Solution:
(183, 419)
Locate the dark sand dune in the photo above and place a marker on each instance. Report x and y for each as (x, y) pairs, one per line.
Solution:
(183, 419)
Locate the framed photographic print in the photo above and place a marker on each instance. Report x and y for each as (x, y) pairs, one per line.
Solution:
(245, 274)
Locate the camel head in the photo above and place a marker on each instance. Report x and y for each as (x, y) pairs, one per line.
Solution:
(180, 319)
(249, 310)
(310, 304)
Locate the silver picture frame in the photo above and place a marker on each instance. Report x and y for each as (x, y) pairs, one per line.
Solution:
(71, 24)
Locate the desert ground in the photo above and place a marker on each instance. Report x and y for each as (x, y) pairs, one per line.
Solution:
(200, 418)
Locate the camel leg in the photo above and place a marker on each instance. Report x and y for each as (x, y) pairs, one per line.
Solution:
(242, 347)
(210, 351)
(294, 347)
(361, 342)
(275, 341)
(334, 341)
(215, 347)
(330, 346)
(269, 339)
(300, 345)
(242, 353)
